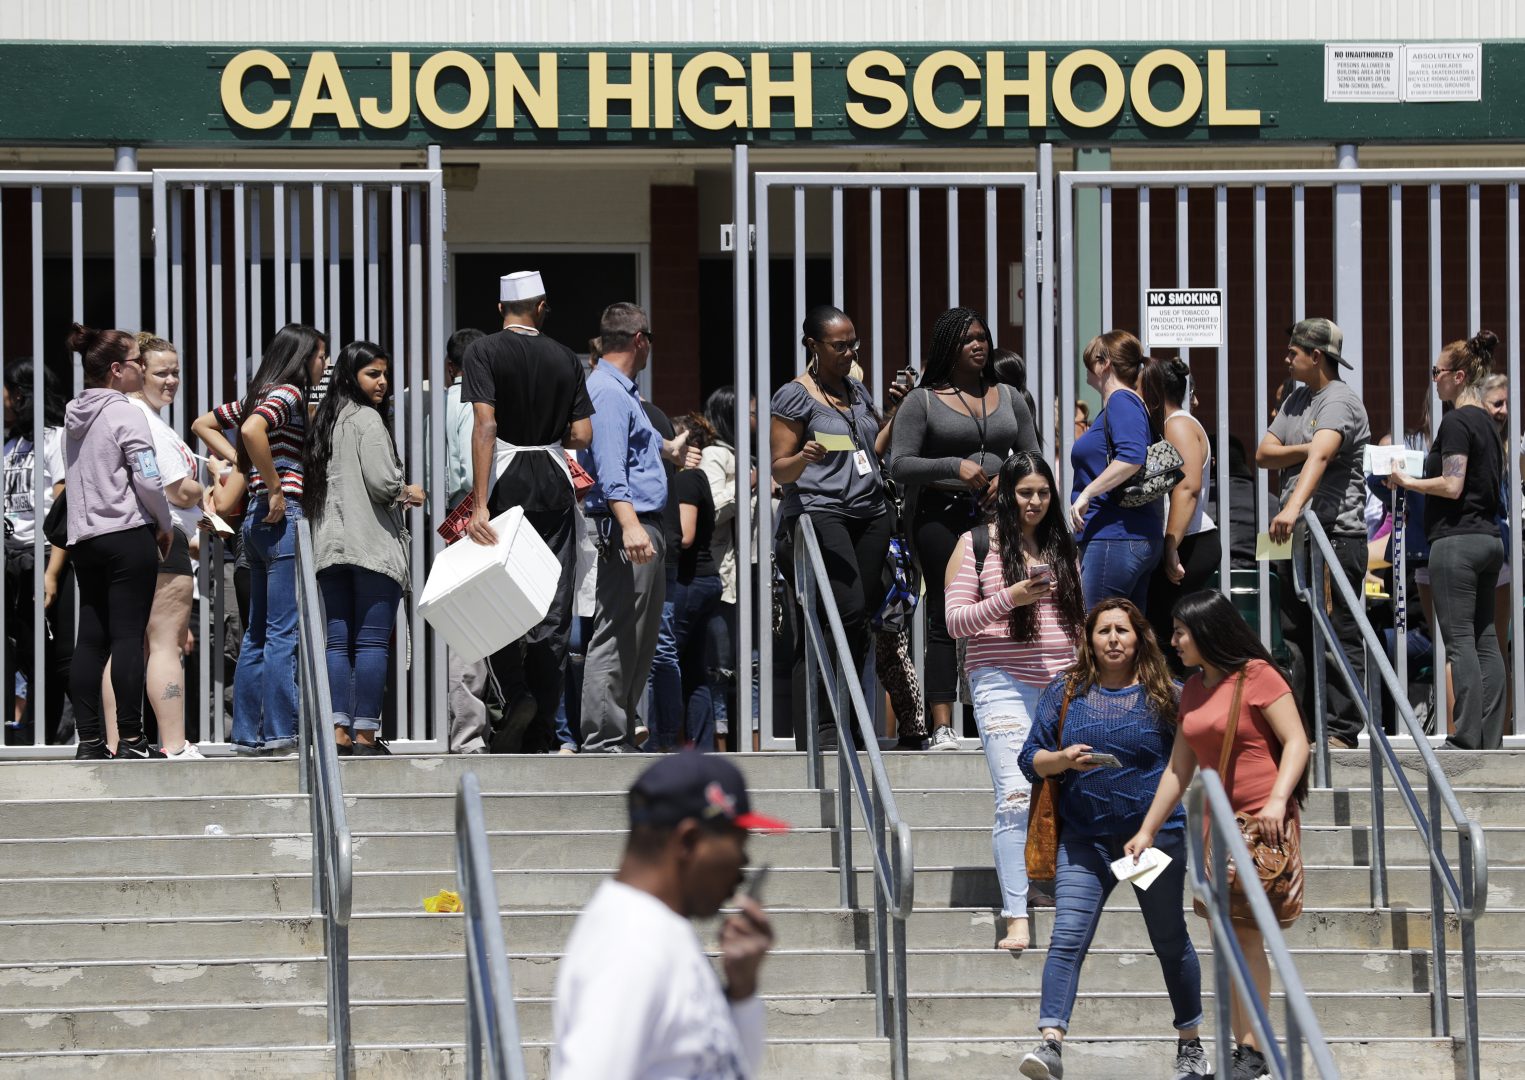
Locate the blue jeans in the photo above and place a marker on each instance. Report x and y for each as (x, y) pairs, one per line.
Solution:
(360, 607)
(1082, 886)
(682, 688)
(265, 686)
(1004, 708)
(1111, 568)
(666, 680)
(569, 712)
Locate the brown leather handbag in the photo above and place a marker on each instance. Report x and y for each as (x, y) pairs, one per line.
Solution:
(1043, 817)
(1280, 869)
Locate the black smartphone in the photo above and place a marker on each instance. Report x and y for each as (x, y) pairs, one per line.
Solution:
(755, 882)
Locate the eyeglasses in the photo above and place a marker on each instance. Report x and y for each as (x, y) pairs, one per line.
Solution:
(842, 348)
(647, 331)
(1436, 371)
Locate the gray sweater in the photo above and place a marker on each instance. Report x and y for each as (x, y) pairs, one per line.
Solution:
(360, 523)
(931, 438)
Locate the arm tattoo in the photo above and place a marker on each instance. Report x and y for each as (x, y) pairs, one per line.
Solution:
(171, 692)
(1454, 465)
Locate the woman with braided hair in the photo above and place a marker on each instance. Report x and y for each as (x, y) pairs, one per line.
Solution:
(951, 436)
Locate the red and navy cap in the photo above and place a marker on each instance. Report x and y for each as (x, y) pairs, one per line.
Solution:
(692, 784)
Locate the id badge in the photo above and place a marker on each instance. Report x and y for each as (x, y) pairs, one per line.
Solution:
(860, 460)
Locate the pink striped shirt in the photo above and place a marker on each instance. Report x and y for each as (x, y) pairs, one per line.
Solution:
(984, 623)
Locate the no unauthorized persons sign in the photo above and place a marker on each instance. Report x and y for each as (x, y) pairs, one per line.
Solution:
(1184, 318)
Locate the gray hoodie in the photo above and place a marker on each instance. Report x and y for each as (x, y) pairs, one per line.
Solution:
(111, 473)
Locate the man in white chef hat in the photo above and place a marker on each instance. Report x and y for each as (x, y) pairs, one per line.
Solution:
(530, 402)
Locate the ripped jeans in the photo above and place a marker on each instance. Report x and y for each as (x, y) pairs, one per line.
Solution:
(1003, 709)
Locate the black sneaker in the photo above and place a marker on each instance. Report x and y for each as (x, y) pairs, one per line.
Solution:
(1044, 1061)
(1191, 1060)
(139, 749)
(344, 749)
(1249, 1064)
(94, 750)
(370, 749)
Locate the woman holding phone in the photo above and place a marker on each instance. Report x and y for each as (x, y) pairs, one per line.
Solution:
(1105, 728)
(1267, 761)
(1021, 611)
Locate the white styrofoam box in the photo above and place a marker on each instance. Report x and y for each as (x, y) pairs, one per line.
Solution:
(1379, 460)
(483, 598)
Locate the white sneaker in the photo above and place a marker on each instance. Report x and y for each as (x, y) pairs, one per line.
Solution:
(188, 752)
(943, 739)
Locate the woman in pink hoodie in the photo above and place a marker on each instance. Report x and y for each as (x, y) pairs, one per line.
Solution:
(119, 529)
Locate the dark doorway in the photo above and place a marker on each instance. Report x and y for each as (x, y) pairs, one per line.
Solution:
(579, 285)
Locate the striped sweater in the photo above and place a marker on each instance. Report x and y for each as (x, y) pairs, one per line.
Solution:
(983, 623)
(285, 411)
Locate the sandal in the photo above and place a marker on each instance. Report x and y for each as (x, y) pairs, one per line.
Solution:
(1017, 937)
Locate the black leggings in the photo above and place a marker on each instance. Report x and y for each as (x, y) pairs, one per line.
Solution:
(1199, 554)
(117, 573)
(941, 519)
(854, 551)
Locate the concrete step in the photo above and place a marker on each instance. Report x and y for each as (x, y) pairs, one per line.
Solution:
(176, 981)
(965, 1059)
(907, 771)
(410, 1022)
(592, 850)
(171, 815)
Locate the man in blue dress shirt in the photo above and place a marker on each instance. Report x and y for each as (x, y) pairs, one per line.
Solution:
(626, 503)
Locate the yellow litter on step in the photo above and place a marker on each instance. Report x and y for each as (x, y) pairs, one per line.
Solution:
(443, 902)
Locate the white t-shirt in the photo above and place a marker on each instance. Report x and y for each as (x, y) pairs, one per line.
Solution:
(20, 507)
(175, 463)
(637, 999)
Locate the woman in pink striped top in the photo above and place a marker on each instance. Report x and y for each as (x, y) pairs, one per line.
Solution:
(1021, 619)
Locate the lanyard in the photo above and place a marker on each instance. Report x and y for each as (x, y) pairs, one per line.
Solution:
(982, 423)
(847, 417)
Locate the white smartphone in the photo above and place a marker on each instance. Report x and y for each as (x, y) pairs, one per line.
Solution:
(1106, 761)
(1038, 571)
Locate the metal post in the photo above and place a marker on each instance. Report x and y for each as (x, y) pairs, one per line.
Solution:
(1516, 496)
(1347, 266)
(1225, 563)
(1440, 1005)
(1395, 405)
(1262, 418)
(804, 581)
(1318, 672)
(431, 375)
(749, 585)
(127, 244)
(1223, 983)
(1048, 206)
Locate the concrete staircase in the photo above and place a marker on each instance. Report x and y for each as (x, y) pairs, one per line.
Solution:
(133, 944)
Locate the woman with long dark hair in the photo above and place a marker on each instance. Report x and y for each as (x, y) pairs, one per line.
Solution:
(718, 461)
(1105, 729)
(951, 435)
(842, 490)
(1267, 764)
(1193, 546)
(119, 530)
(1119, 545)
(26, 510)
(355, 494)
(1021, 611)
(271, 424)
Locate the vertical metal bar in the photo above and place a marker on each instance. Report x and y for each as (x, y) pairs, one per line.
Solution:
(161, 256)
(1319, 672)
(38, 687)
(296, 255)
(357, 258)
(320, 310)
(805, 592)
(243, 290)
(1066, 361)
(1047, 207)
(913, 274)
(1474, 263)
(199, 217)
(177, 294)
(1262, 409)
(1106, 258)
(847, 875)
(1347, 268)
(434, 375)
(953, 247)
(1376, 765)
(277, 268)
(404, 354)
(1038, 379)
(252, 324)
(1222, 979)
(800, 301)
(1438, 663)
(208, 396)
(1183, 251)
(876, 288)
(77, 263)
(127, 244)
(838, 285)
(758, 313)
(1225, 564)
(1299, 254)
(750, 588)
(1516, 497)
(1395, 407)
(415, 351)
(335, 311)
(4, 605)
(1440, 998)
(1143, 266)
(373, 270)
(210, 392)
(992, 278)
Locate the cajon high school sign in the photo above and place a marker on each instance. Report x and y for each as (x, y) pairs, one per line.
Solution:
(1004, 93)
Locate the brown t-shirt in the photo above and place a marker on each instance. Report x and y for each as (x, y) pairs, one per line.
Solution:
(1256, 754)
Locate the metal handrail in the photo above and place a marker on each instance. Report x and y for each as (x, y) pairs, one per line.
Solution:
(1229, 846)
(332, 881)
(1466, 891)
(890, 837)
(492, 1022)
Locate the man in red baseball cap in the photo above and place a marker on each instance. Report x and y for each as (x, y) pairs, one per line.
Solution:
(636, 996)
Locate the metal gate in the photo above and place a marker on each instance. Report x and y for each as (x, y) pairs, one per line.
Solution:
(1362, 215)
(236, 254)
(1008, 210)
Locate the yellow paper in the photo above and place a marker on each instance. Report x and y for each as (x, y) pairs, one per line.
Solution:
(834, 442)
(1268, 550)
(442, 902)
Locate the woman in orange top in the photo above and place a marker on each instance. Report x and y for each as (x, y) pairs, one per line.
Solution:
(1266, 767)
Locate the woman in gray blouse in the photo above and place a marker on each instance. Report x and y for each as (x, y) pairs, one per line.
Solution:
(354, 485)
(951, 435)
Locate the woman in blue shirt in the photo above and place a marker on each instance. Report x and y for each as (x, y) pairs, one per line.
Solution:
(1119, 546)
(1118, 699)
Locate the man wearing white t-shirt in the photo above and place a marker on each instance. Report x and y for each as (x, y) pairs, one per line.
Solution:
(636, 996)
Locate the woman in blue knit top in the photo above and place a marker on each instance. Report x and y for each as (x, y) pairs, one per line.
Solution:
(1117, 700)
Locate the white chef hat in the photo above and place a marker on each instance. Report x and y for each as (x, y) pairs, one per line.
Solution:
(521, 285)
